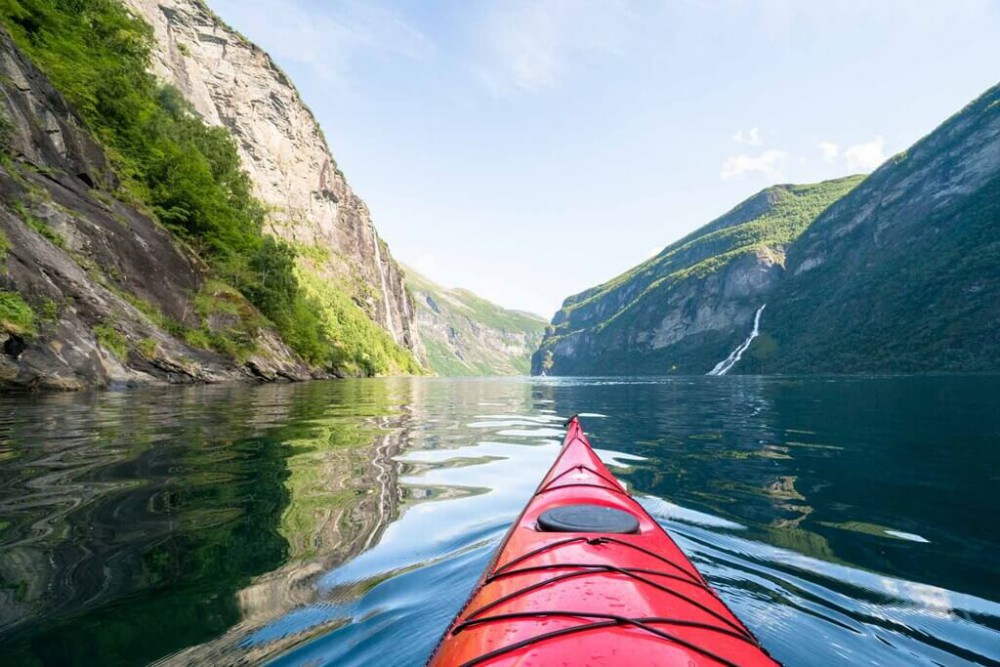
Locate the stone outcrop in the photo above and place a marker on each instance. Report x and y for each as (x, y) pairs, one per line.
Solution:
(463, 334)
(102, 278)
(233, 83)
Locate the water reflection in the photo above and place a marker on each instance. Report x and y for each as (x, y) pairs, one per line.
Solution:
(344, 523)
(134, 524)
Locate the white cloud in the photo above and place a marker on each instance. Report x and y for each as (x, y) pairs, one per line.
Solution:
(830, 151)
(530, 44)
(770, 163)
(750, 138)
(866, 156)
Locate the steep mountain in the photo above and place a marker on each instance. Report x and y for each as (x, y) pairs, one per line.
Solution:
(686, 308)
(468, 335)
(898, 274)
(142, 244)
(902, 274)
(232, 83)
(93, 291)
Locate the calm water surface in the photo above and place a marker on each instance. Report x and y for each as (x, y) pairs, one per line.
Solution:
(847, 521)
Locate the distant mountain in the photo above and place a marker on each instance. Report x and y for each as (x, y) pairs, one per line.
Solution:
(467, 335)
(686, 308)
(900, 273)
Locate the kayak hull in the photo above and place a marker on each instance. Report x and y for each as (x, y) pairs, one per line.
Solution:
(584, 596)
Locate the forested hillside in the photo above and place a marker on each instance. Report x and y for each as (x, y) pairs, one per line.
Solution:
(902, 274)
(684, 309)
(165, 162)
(467, 335)
(896, 272)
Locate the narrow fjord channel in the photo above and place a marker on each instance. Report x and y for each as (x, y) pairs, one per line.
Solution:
(846, 520)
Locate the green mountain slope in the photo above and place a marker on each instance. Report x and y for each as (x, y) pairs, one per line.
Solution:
(903, 274)
(467, 335)
(166, 163)
(684, 309)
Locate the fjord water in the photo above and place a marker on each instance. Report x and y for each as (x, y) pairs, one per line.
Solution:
(846, 520)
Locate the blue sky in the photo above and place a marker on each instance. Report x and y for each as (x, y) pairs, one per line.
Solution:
(530, 149)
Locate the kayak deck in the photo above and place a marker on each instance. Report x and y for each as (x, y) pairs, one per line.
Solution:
(562, 592)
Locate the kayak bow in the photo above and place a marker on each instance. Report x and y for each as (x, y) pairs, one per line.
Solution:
(586, 576)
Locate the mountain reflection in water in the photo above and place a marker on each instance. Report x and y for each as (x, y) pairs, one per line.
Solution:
(345, 522)
(140, 523)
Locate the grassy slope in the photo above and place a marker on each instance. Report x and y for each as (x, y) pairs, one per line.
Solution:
(924, 296)
(188, 175)
(772, 218)
(461, 309)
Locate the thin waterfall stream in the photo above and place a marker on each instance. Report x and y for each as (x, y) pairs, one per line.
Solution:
(389, 325)
(734, 357)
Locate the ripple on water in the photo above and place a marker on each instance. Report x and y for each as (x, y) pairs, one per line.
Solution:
(345, 523)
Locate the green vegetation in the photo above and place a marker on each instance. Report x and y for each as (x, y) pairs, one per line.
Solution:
(772, 218)
(48, 310)
(762, 225)
(37, 224)
(468, 335)
(355, 344)
(112, 340)
(188, 174)
(926, 304)
(547, 361)
(6, 128)
(900, 274)
(912, 289)
(147, 348)
(16, 316)
(229, 324)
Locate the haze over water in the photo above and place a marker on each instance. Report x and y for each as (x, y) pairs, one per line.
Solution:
(845, 520)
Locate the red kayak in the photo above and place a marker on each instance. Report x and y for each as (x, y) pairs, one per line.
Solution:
(586, 577)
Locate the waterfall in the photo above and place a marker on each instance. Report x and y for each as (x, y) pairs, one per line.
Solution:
(734, 357)
(389, 325)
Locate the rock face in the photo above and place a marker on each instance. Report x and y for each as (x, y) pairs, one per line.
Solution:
(464, 334)
(687, 308)
(232, 83)
(902, 274)
(898, 274)
(109, 292)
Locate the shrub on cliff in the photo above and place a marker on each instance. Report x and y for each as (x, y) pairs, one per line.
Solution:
(189, 174)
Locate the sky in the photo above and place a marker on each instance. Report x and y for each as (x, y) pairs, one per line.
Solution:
(530, 149)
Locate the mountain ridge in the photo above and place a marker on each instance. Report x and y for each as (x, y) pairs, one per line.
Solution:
(709, 280)
(895, 273)
(939, 202)
(465, 334)
(234, 83)
(269, 292)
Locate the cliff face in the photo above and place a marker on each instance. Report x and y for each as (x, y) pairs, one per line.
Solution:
(466, 335)
(92, 291)
(232, 83)
(685, 309)
(902, 274)
(898, 274)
